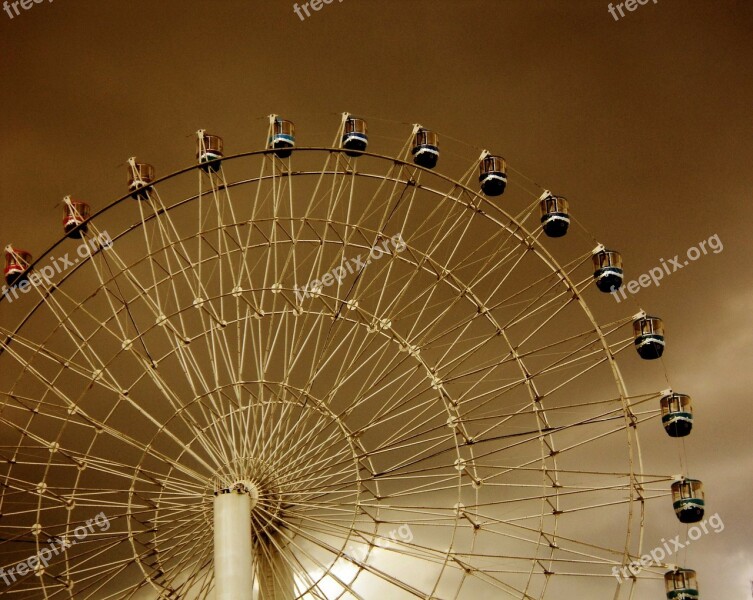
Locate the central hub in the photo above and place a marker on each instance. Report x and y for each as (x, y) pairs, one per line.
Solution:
(262, 484)
(242, 487)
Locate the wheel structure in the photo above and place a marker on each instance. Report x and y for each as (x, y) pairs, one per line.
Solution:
(396, 368)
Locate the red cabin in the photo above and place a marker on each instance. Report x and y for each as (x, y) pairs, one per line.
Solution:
(140, 178)
(17, 263)
(75, 215)
(209, 151)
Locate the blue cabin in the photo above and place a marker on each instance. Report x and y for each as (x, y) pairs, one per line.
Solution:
(426, 149)
(355, 136)
(283, 137)
(493, 175)
(688, 500)
(681, 584)
(607, 270)
(555, 215)
(677, 414)
(649, 337)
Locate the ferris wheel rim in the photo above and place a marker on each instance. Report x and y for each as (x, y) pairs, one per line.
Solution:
(541, 251)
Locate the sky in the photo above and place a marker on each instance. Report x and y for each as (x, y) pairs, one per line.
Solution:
(643, 122)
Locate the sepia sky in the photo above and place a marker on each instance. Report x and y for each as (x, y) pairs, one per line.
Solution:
(644, 124)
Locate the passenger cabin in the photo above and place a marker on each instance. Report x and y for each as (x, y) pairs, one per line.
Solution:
(17, 263)
(493, 175)
(425, 148)
(677, 414)
(140, 179)
(607, 270)
(555, 215)
(209, 151)
(75, 215)
(283, 137)
(649, 341)
(681, 584)
(355, 136)
(688, 500)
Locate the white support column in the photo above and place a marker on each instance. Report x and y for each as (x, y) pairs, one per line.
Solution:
(233, 550)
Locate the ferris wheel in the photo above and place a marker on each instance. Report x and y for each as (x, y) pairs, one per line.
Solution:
(328, 372)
